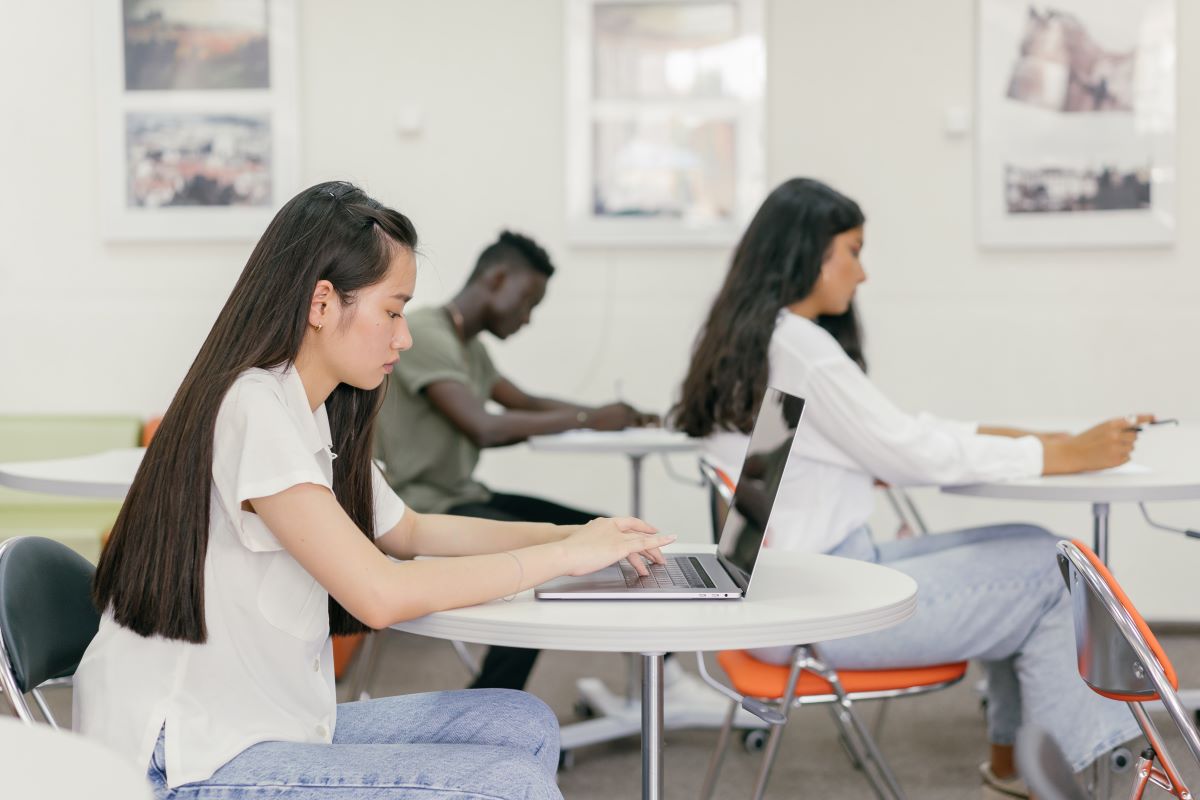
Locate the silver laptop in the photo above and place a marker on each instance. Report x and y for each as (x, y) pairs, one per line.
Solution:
(706, 576)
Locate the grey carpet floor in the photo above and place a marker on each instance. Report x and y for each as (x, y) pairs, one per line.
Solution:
(934, 743)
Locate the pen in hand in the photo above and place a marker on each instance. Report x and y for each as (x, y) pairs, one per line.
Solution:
(1140, 428)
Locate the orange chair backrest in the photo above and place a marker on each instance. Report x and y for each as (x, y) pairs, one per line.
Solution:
(1139, 623)
(725, 479)
(149, 429)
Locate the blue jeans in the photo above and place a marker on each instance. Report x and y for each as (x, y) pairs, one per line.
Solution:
(992, 594)
(482, 744)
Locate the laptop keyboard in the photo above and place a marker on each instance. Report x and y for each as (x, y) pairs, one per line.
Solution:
(684, 572)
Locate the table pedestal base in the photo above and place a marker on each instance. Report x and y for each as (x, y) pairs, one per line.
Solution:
(618, 716)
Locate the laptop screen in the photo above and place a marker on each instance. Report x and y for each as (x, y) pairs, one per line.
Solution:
(748, 521)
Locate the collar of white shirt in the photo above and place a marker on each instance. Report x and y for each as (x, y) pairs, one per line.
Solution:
(312, 425)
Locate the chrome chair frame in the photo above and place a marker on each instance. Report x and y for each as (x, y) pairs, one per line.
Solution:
(863, 750)
(8, 681)
(1114, 657)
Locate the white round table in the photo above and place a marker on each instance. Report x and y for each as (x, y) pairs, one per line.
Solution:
(1166, 468)
(108, 474)
(793, 599)
(41, 763)
(633, 443)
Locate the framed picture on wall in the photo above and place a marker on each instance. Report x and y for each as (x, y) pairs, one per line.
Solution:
(665, 138)
(1076, 123)
(196, 113)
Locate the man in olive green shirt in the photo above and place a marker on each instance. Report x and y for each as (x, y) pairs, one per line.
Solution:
(435, 420)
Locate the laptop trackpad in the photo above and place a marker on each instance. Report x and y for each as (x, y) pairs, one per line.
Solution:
(605, 579)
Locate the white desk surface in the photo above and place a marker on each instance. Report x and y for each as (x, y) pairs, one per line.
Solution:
(108, 474)
(1169, 463)
(41, 763)
(631, 442)
(794, 598)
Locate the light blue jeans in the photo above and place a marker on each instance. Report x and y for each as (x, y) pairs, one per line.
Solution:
(476, 744)
(995, 595)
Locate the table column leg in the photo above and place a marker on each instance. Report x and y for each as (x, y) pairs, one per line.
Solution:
(635, 493)
(1100, 530)
(652, 726)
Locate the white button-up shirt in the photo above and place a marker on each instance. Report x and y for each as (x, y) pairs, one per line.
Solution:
(850, 434)
(266, 671)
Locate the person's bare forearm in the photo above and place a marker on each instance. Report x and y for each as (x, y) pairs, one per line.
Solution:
(497, 430)
(446, 535)
(1001, 430)
(417, 588)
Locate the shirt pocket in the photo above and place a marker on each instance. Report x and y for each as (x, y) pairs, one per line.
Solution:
(292, 600)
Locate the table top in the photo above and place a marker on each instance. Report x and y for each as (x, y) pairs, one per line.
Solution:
(41, 763)
(794, 598)
(1165, 466)
(631, 442)
(108, 474)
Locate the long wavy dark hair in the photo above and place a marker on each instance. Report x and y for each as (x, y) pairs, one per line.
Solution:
(151, 573)
(776, 263)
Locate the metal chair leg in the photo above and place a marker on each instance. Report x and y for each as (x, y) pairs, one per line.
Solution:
(1168, 772)
(364, 667)
(764, 769)
(714, 761)
(40, 699)
(859, 757)
(880, 717)
(878, 772)
(881, 767)
(801, 659)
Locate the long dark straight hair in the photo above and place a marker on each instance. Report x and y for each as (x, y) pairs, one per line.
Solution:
(776, 263)
(151, 573)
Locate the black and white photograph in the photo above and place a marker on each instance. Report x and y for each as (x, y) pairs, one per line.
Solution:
(196, 44)
(1062, 67)
(1075, 105)
(1064, 189)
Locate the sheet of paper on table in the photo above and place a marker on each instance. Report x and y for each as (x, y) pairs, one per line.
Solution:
(1128, 468)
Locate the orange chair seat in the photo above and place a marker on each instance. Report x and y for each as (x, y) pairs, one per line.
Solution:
(755, 678)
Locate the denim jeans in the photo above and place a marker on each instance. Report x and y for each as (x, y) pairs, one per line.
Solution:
(995, 595)
(482, 744)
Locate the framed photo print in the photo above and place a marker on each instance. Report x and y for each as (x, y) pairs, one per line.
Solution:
(1076, 123)
(664, 120)
(196, 115)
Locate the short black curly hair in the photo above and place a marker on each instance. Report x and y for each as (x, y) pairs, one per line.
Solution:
(512, 248)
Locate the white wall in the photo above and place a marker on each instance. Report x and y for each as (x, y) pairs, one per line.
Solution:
(856, 97)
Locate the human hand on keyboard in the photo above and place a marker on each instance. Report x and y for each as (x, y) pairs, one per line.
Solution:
(605, 541)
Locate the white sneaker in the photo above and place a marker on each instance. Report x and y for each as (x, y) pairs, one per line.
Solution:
(1001, 788)
(687, 699)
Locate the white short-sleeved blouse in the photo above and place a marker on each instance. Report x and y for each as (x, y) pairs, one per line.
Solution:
(851, 433)
(266, 670)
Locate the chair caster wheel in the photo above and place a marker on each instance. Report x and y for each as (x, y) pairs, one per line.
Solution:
(566, 760)
(583, 710)
(754, 740)
(1120, 759)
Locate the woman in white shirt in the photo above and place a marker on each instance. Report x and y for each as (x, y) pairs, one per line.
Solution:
(784, 317)
(257, 526)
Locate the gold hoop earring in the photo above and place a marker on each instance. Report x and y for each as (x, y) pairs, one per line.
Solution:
(319, 325)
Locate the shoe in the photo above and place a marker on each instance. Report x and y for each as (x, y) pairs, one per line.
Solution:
(1001, 788)
(687, 695)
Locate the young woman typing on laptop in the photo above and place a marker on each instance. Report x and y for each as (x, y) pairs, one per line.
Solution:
(784, 316)
(257, 525)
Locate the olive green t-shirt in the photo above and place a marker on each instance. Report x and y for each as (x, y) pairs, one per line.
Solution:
(426, 459)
